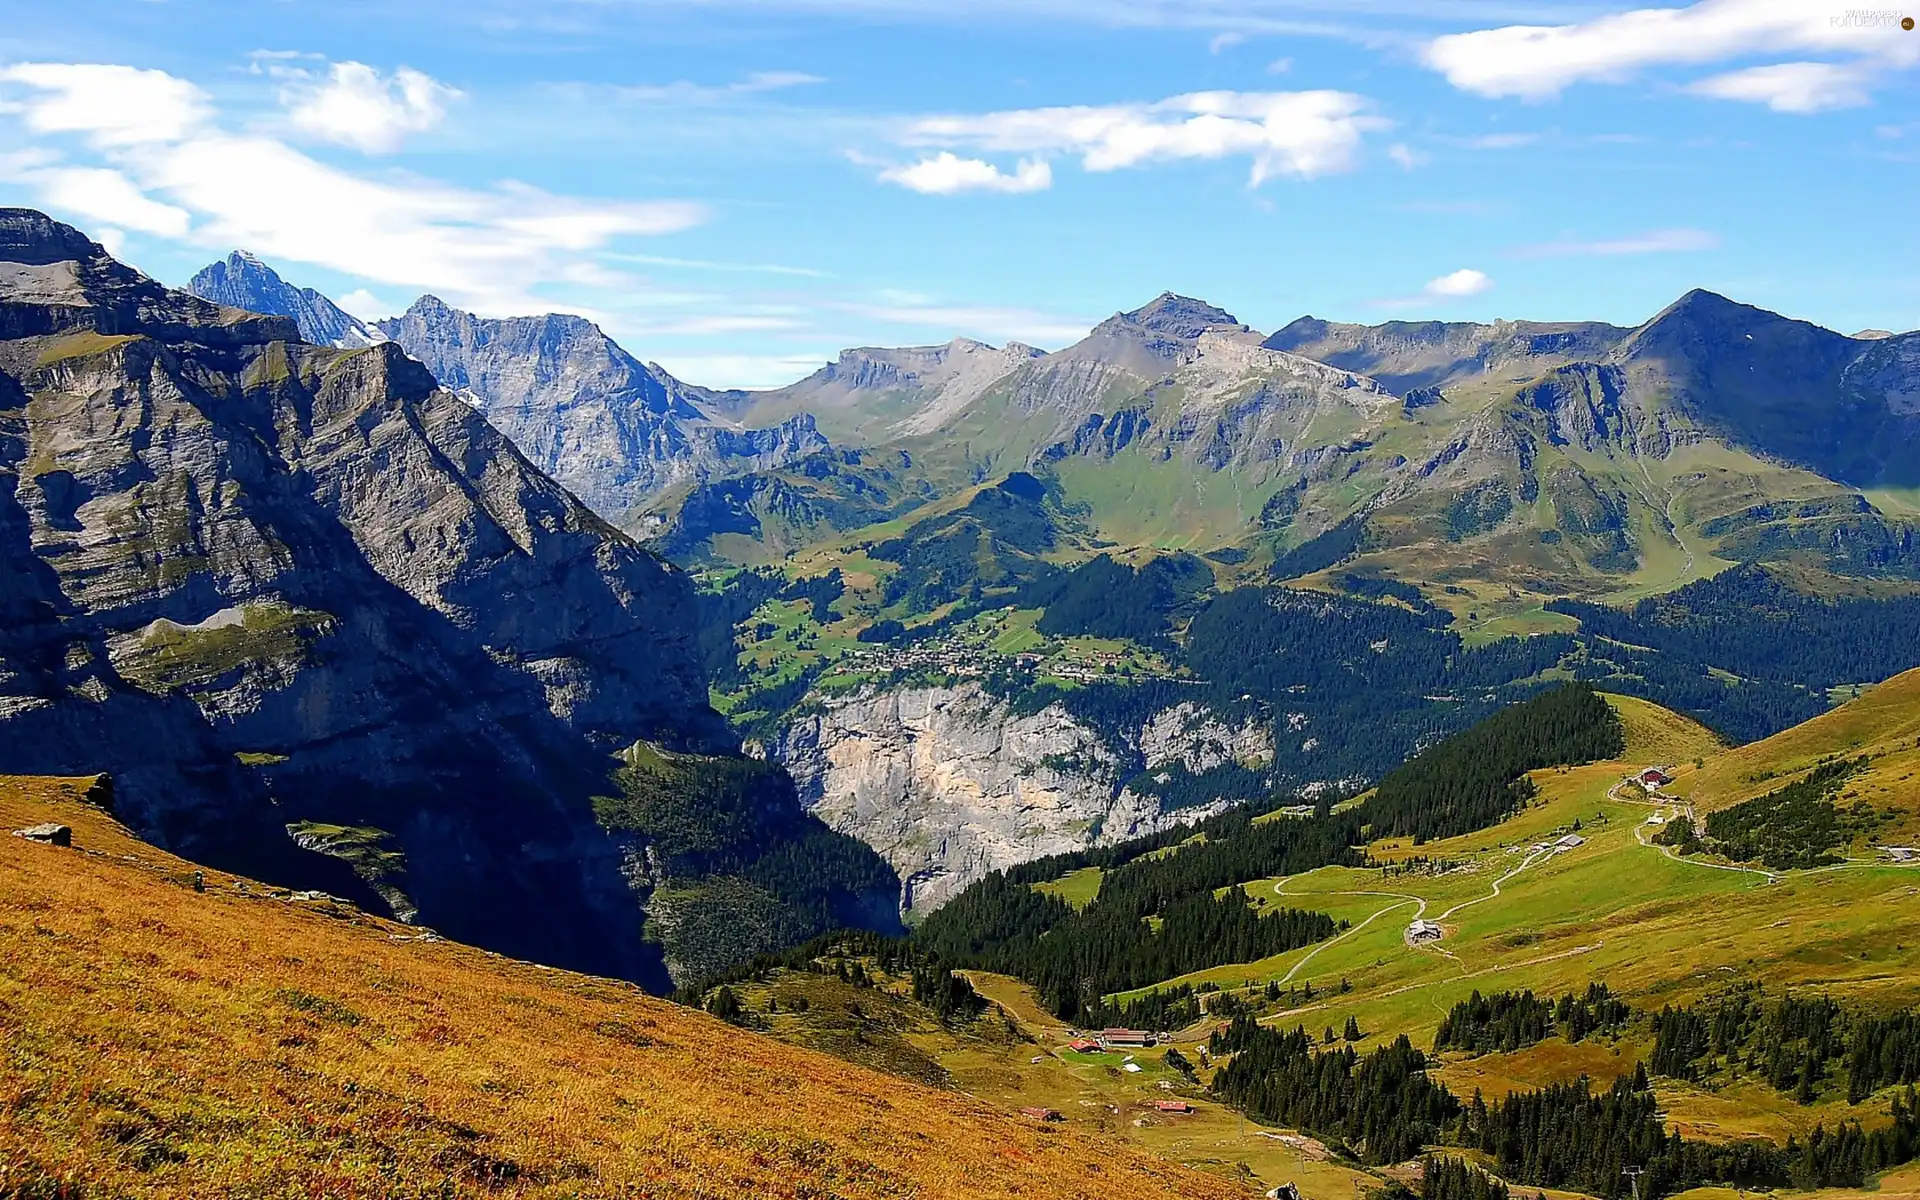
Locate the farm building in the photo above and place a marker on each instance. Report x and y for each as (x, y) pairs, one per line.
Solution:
(1902, 853)
(1285, 1191)
(1084, 1045)
(1653, 779)
(1569, 842)
(1173, 1106)
(1042, 1114)
(1423, 930)
(1125, 1039)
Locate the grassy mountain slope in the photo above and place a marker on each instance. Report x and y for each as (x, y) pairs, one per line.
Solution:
(1657, 927)
(1882, 725)
(173, 1032)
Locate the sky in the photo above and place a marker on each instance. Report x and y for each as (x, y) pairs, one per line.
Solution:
(738, 189)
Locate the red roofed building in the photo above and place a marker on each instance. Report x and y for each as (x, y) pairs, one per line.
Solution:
(1173, 1106)
(1042, 1114)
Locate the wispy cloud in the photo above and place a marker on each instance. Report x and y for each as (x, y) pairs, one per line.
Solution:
(1405, 156)
(1495, 141)
(145, 150)
(1799, 87)
(685, 92)
(1225, 41)
(1537, 62)
(1303, 134)
(699, 264)
(1658, 241)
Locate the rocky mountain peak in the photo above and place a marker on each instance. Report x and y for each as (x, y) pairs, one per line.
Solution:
(34, 239)
(242, 280)
(1180, 316)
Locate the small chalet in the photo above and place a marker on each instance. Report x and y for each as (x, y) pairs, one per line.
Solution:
(1173, 1106)
(1042, 1114)
(1653, 779)
(1125, 1039)
(1084, 1045)
(1423, 930)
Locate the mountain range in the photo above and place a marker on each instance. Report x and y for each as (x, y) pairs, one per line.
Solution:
(321, 621)
(1489, 464)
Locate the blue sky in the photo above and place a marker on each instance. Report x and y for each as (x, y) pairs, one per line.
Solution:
(739, 188)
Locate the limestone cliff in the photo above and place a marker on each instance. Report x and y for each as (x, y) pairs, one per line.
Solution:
(952, 783)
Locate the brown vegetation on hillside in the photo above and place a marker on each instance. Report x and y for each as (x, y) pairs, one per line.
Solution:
(171, 1032)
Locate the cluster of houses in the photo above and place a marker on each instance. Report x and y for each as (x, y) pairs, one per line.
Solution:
(970, 658)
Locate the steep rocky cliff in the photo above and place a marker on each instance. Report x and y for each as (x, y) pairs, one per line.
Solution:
(323, 623)
(613, 430)
(952, 783)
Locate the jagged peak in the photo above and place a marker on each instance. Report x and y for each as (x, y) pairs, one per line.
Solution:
(1182, 316)
(32, 237)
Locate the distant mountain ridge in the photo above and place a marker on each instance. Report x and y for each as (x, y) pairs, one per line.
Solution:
(242, 281)
(617, 432)
(1552, 457)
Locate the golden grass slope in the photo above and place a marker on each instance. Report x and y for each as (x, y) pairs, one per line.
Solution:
(159, 1040)
(1883, 723)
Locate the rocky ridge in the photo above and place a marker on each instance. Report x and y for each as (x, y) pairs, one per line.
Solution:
(325, 624)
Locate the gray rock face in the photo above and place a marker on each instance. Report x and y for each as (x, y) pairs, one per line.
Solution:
(949, 784)
(265, 583)
(613, 430)
(242, 281)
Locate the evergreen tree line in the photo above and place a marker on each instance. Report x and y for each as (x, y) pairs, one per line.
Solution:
(1380, 1108)
(1794, 1043)
(1073, 958)
(1748, 622)
(1569, 1136)
(1509, 1021)
(1796, 826)
(841, 954)
(1455, 1179)
(1175, 1008)
(1477, 778)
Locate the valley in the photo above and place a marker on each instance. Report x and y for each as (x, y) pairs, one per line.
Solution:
(1280, 705)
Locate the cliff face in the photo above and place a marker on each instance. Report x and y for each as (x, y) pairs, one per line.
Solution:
(951, 784)
(613, 430)
(320, 620)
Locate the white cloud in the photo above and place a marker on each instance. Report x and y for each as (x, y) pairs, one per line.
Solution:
(1225, 41)
(1280, 66)
(359, 107)
(103, 194)
(1798, 87)
(947, 174)
(111, 105)
(1454, 285)
(1535, 62)
(1285, 133)
(365, 305)
(178, 174)
(1464, 282)
(1406, 156)
(1658, 241)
